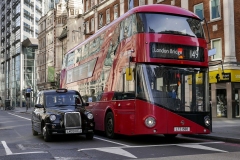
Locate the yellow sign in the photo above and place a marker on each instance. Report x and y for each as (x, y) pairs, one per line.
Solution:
(199, 79)
(234, 76)
(129, 74)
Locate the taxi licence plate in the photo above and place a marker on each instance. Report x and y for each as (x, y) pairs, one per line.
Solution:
(181, 129)
(71, 131)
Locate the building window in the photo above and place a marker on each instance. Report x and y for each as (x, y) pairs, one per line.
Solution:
(217, 43)
(92, 3)
(87, 27)
(108, 16)
(72, 11)
(116, 11)
(80, 33)
(158, 1)
(100, 20)
(130, 4)
(73, 36)
(92, 24)
(87, 5)
(215, 9)
(198, 10)
(141, 2)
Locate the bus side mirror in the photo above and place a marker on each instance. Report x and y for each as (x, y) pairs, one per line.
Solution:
(129, 74)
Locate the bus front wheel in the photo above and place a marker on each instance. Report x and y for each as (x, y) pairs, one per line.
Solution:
(109, 125)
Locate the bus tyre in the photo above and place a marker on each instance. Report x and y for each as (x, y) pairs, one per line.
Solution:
(170, 136)
(109, 125)
(89, 136)
(46, 135)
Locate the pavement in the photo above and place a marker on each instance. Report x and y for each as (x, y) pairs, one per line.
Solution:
(223, 129)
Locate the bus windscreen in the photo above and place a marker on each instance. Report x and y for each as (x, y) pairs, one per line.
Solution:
(169, 24)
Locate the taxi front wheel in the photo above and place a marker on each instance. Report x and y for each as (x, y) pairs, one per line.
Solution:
(89, 136)
(46, 136)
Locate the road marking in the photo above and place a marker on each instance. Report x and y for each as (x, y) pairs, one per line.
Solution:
(9, 152)
(110, 141)
(119, 150)
(7, 149)
(198, 146)
(29, 152)
(20, 116)
(21, 147)
(10, 127)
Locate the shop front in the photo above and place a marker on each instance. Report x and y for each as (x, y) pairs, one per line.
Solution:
(224, 93)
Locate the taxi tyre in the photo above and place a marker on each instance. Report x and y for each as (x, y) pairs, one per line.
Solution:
(109, 125)
(89, 136)
(170, 136)
(46, 136)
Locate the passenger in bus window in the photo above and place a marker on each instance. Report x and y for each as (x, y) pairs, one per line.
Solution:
(173, 94)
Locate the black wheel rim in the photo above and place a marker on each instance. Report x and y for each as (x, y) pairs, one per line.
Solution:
(110, 126)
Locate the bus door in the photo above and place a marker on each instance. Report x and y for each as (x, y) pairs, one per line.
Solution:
(124, 107)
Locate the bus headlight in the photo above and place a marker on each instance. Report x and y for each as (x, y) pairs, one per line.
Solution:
(90, 116)
(150, 122)
(207, 121)
(52, 117)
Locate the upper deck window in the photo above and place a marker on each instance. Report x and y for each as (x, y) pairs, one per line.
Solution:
(169, 24)
(198, 10)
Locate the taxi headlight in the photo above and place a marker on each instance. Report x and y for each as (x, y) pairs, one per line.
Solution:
(52, 117)
(150, 122)
(90, 116)
(207, 121)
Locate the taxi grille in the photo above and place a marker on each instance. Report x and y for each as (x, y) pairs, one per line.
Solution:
(72, 120)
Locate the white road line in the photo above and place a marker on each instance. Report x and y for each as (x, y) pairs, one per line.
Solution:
(7, 149)
(159, 145)
(20, 116)
(120, 150)
(10, 127)
(9, 152)
(30, 152)
(111, 141)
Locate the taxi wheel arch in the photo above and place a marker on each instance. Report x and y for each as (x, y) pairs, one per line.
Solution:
(109, 125)
(35, 133)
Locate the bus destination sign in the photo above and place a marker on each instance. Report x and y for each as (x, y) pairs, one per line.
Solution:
(172, 51)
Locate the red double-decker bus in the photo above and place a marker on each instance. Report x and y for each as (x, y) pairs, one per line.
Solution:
(144, 73)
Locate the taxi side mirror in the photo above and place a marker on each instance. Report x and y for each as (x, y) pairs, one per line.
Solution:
(129, 74)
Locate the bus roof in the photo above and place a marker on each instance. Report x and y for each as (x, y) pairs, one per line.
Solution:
(157, 8)
(163, 8)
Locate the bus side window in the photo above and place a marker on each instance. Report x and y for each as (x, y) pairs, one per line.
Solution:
(117, 96)
(134, 24)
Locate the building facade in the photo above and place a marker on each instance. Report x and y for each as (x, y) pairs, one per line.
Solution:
(18, 23)
(55, 29)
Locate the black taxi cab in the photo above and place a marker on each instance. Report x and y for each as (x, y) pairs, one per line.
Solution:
(61, 111)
